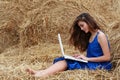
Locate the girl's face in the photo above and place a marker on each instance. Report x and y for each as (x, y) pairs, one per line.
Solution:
(84, 26)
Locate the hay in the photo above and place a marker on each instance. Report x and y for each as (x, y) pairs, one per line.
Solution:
(13, 64)
(24, 24)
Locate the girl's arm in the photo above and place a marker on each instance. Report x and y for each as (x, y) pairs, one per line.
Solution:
(105, 48)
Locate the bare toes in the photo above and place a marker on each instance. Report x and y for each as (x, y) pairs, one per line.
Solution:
(30, 71)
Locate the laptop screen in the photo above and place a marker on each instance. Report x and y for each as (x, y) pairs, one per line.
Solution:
(61, 46)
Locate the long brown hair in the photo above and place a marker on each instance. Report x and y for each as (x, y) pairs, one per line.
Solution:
(79, 38)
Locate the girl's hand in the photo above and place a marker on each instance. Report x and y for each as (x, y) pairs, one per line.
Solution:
(82, 57)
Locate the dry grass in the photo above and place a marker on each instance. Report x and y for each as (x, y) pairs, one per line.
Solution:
(28, 35)
(13, 64)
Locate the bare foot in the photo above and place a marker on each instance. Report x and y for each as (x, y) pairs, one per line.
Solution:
(40, 73)
(30, 71)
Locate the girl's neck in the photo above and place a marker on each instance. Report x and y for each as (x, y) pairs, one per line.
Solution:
(94, 32)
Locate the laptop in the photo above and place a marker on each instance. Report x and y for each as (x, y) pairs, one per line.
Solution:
(67, 56)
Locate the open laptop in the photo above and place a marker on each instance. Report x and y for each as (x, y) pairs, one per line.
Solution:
(67, 56)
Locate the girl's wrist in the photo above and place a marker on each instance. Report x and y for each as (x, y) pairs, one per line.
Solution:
(88, 59)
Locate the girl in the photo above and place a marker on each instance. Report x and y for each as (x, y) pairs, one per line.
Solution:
(85, 36)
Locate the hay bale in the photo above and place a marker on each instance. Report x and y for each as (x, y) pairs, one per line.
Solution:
(32, 22)
(8, 35)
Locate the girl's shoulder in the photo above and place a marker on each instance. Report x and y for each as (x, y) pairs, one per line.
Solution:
(101, 36)
(101, 33)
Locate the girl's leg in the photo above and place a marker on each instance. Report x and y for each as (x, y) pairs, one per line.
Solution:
(57, 67)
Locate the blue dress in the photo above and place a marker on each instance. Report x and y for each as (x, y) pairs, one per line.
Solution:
(94, 50)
